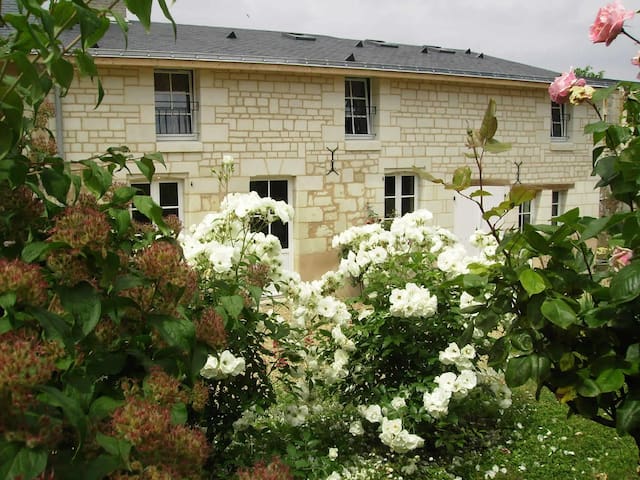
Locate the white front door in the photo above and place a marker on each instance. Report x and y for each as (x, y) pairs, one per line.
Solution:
(467, 217)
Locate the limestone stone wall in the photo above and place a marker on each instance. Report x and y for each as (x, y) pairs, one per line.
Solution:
(280, 125)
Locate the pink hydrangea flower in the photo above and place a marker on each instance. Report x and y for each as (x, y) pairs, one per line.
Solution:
(560, 88)
(609, 22)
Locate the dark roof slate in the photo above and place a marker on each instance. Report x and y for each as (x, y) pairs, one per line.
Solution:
(269, 47)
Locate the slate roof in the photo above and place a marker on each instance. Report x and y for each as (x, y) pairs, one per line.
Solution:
(224, 44)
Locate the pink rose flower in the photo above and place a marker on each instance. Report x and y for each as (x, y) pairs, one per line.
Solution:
(560, 88)
(620, 258)
(609, 22)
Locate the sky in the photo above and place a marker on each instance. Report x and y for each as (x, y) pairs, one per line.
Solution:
(552, 34)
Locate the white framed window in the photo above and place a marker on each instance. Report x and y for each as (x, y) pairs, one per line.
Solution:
(167, 194)
(399, 195)
(558, 201)
(277, 190)
(560, 117)
(525, 212)
(358, 111)
(174, 103)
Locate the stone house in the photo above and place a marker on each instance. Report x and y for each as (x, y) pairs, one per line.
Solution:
(332, 126)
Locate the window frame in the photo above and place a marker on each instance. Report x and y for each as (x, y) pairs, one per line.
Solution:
(349, 116)
(560, 122)
(154, 193)
(399, 195)
(558, 204)
(192, 105)
(286, 226)
(525, 214)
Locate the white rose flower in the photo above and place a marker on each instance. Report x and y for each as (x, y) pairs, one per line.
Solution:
(356, 429)
(333, 453)
(450, 355)
(210, 368)
(446, 381)
(231, 365)
(373, 413)
(398, 403)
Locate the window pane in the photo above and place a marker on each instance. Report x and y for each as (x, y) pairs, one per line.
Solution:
(180, 82)
(359, 107)
(407, 205)
(261, 187)
(279, 190)
(389, 207)
(162, 82)
(357, 88)
(408, 185)
(281, 231)
(360, 126)
(389, 186)
(348, 125)
(170, 211)
(168, 194)
(144, 188)
(138, 217)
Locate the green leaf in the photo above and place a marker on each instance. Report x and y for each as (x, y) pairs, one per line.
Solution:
(142, 10)
(62, 71)
(179, 414)
(610, 380)
(70, 406)
(54, 325)
(518, 371)
(103, 407)
(176, 332)
(628, 416)
(167, 15)
(494, 146)
(96, 178)
(233, 305)
(489, 125)
(83, 302)
(147, 168)
(123, 220)
(625, 285)
(600, 126)
(589, 388)
(520, 194)
(24, 463)
(56, 184)
(527, 367)
(558, 312)
(115, 446)
(593, 227)
(461, 179)
(101, 466)
(86, 65)
(145, 205)
(36, 251)
(532, 281)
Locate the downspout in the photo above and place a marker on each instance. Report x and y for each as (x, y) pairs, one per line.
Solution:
(59, 124)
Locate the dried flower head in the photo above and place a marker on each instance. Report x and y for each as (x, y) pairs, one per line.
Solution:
(210, 329)
(24, 280)
(276, 469)
(82, 226)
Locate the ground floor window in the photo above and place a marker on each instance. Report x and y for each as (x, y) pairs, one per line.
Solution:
(524, 214)
(558, 198)
(166, 194)
(399, 195)
(277, 190)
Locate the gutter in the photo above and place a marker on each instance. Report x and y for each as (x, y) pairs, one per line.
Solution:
(57, 100)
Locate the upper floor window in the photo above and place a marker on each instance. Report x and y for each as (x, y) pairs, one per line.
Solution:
(524, 214)
(358, 111)
(166, 194)
(559, 121)
(174, 101)
(399, 195)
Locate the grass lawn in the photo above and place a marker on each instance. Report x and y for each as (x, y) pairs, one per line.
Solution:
(535, 441)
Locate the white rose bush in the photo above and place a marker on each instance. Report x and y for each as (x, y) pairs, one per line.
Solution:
(390, 353)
